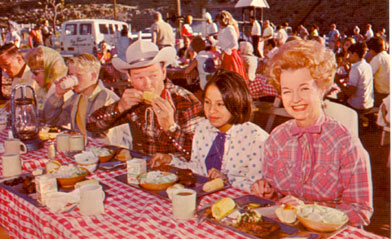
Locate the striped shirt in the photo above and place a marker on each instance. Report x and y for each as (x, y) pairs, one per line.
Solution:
(340, 175)
(187, 115)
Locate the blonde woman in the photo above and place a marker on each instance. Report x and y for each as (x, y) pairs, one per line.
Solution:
(228, 43)
(47, 66)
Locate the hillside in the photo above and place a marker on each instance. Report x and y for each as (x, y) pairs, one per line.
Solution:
(346, 14)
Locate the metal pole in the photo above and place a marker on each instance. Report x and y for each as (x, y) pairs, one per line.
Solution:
(114, 9)
(178, 2)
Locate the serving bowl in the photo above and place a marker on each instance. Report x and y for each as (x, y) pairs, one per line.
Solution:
(105, 158)
(87, 160)
(157, 186)
(320, 224)
(70, 182)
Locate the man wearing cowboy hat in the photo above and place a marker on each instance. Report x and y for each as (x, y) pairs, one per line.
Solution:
(168, 121)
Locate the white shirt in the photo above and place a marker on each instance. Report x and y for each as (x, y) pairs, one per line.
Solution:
(211, 28)
(227, 39)
(381, 69)
(282, 36)
(13, 37)
(201, 58)
(361, 77)
(369, 34)
(243, 154)
(269, 31)
(256, 29)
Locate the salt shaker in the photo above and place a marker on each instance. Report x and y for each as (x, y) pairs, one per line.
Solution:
(51, 151)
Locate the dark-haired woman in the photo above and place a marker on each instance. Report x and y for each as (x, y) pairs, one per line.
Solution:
(226, 144)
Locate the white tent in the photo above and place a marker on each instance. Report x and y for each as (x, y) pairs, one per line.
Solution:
(252, 3)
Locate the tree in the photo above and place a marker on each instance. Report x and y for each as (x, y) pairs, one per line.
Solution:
(51, 9)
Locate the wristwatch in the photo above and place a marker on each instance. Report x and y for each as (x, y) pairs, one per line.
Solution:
(173, 128)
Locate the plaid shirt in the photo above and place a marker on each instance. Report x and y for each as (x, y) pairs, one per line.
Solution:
(340, 174)
(187, 114)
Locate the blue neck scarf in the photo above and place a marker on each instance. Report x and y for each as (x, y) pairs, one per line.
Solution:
(215, 155)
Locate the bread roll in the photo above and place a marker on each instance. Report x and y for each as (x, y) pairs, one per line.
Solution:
(213, 185)
(149, 96)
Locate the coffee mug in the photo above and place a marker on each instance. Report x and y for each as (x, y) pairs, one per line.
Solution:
(91, 199)
(184, 204)
(11, 165)
(76, 143)
(14, 146)
(62, 142)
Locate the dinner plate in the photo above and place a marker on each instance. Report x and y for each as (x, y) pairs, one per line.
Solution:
(242, 203)
(200, 180)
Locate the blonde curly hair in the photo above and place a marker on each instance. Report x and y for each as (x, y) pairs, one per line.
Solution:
(225, 18)
(299, 54)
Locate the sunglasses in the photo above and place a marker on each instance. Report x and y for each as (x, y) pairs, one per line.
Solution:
(36, 72)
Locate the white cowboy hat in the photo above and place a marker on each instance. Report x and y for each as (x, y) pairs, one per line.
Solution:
(143, 53)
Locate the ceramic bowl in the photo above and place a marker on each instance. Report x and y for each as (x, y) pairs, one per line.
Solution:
(70, 182)
(319, 226)
(156, 187)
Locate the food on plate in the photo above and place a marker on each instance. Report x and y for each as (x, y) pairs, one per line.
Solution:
(252, 222)
(28, 184)
(222, 208)
(170, 190)
(157, 177)
(124, 155)
(213, 185)
(52, 166)
(100, 151)
(48, 132)
(37, 172)
(87, 160)
(286, 213)
(253, 205)
(149, 96)
(69, 171)
(85, 182)
(186, 177)
(322, 214)
(163, 168)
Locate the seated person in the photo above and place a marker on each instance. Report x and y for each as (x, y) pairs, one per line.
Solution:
(47, 66)
(199, 46)
(227, 144)
(89, 95)
(167, 114)
(313, 157)
(359, 89)
(250, 60)
(13, 63)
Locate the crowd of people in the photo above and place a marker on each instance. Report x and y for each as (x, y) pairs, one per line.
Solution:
(311, 158)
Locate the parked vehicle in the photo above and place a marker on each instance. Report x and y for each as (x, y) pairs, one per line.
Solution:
(82, 35)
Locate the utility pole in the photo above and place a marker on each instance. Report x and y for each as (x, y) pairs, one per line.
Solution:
(178, 18)
(114, 9)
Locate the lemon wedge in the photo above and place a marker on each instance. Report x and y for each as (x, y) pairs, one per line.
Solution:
(222, 208)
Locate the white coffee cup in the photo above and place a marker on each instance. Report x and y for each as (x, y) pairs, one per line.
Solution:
(184, 204)
(11, 165)
(91, 199)
(76, 143)
(14, 146)
(62, 142)
(69, 82)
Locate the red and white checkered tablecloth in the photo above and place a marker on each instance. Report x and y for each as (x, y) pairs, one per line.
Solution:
(129, 212)
(260, 87)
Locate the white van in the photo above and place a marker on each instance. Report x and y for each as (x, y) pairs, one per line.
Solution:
(80, 36)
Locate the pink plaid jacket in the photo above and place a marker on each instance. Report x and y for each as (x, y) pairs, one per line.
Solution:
(340, 175)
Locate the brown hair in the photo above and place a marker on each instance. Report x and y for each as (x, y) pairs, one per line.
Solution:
(299, 54)
(9, 49)
(235, 94)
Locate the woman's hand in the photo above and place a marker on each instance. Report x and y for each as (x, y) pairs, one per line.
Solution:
(262, 189)
(215, 173)
(159, 159)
